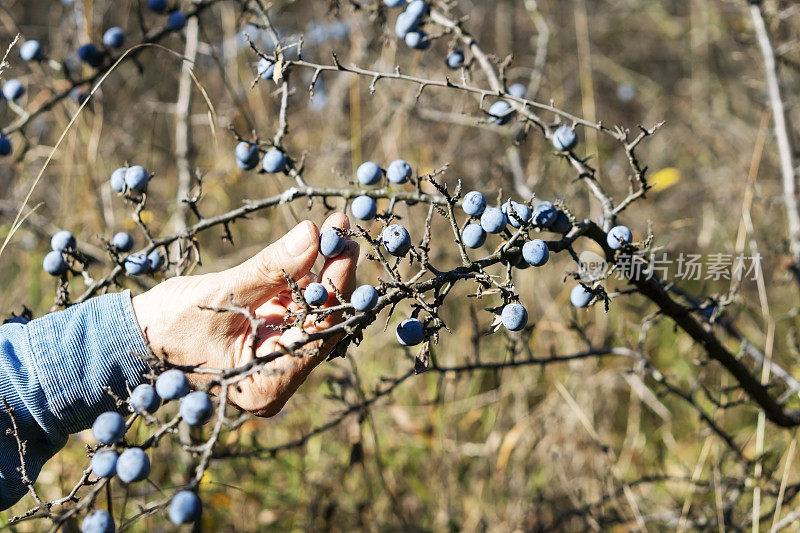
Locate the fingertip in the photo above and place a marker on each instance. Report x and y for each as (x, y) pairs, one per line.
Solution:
(339, 271)
(336, 220)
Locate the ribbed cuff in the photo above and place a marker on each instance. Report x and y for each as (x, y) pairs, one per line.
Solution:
(80, 351)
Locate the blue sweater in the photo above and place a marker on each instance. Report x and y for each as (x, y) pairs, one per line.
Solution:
(52, 373)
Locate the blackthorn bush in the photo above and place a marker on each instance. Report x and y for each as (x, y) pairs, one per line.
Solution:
(307, 107)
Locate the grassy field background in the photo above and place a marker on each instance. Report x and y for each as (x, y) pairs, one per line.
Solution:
(592, 444)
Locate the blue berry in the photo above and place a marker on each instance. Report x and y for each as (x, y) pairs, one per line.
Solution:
(579, 296)
(410, 332)
(417, 8)
(315, 294)
(157, 6)
(514, 317)
(196, 408)
(63, 240)
(266, 68)
(176, 20)
(117, 179)
(246, 156)
(78, 95)
(369, 173)
(137, 178)
(626, 92)
(398, 171)
(501, 112)
(5, 145)
(418, 40)
(517, 90)
(30, 51)
(114, 37)
(544, 214)
(331, 243)
(394, 3)
(493, 220)
(473, 236)
(617, 236)
(516, 213)
(155, 260)
(13, 90)
(104, 463)
(405, 23)
(274, 160)
(133, 465)
(455, 59)
(123, 241)
(89, 54)
(54, 263)
(364, 207)
(172, 385)
(185, 507)
(535, 252)
(98, 521)
(364, 298)
(520, 262)
(109, 427)
(144, 399)
(396, 240)
(473, 203)
(136, 264)
(561, 224)
(565, 138)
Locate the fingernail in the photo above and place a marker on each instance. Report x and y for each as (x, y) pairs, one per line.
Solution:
(298, 240)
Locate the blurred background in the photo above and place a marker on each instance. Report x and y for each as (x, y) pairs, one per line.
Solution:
(597, 443)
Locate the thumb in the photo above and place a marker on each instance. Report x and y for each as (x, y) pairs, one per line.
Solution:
(262, 276)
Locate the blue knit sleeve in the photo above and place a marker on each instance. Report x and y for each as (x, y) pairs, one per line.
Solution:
(53, 372)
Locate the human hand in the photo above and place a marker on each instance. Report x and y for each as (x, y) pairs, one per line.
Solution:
(172, 319)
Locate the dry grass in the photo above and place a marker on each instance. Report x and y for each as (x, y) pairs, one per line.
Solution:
(593, 444)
